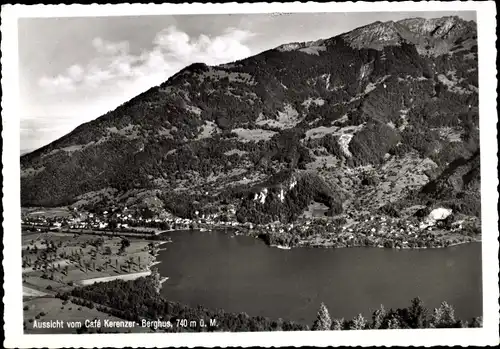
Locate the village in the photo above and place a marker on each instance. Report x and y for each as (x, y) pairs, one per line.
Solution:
(124, 220)
(390, 232)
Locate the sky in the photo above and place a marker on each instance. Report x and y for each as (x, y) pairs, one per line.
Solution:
(72, 70)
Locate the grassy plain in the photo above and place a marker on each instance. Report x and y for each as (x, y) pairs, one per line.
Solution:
(60, 259)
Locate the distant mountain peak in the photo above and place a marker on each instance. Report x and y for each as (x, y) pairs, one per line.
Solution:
(443, 28)
(417, 31)
(375, 35)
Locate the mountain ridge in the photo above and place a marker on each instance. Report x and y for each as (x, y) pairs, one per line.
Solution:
(326, 112)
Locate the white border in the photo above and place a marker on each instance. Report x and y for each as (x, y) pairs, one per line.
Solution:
(488, 335)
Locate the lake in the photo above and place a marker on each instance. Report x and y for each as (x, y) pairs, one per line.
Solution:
(242, 274)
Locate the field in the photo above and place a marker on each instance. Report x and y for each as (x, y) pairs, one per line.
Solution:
(49, 212)
(54, 261)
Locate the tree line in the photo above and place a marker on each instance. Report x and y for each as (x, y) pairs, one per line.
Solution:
(415, 316)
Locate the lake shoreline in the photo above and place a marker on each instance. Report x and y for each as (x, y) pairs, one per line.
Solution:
(439, 244)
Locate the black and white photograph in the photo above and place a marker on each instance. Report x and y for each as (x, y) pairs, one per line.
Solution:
(275, 170)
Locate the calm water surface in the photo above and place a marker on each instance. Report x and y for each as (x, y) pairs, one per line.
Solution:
(242, 274)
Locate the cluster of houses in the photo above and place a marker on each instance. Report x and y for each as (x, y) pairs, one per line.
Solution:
(410, 232)
(126, 219)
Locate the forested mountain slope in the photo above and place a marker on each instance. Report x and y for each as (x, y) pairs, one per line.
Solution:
(387, 113)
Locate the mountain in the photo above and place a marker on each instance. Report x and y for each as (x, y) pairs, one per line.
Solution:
(373, 117)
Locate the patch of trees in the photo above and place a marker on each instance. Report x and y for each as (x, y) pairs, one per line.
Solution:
(448, 109)
(204, 157)
(180, 205)
(185, 205)
(283, 239)
(369, 180)
(327, 113)
(124, 244)
(285, 147)
(331, 144)
(369, 145)
(416, 316)
(422, 212)
(423, 140)
(468, 203)
(457, 186)
(401, 60)
(83, 302)
(390, 210)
